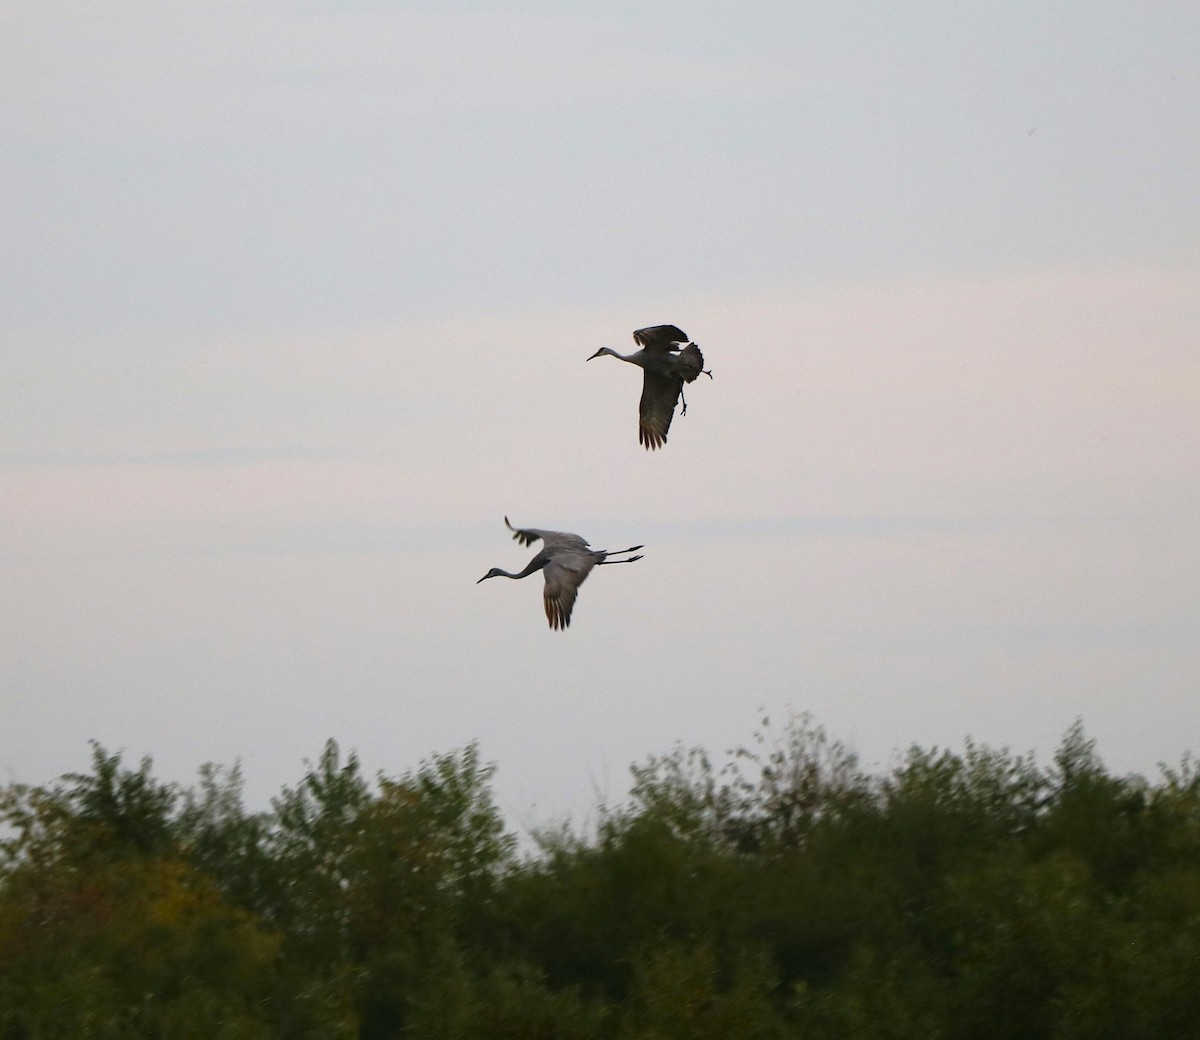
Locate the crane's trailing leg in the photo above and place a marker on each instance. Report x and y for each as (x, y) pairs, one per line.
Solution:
(618, 552)
(683, 398)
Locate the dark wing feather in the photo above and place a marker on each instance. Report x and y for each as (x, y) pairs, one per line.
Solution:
(660, 337)
(564, 575)
(550, 539)
(660, 393)
(526, 536)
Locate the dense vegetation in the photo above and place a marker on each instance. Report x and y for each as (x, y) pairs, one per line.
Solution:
(784, 893)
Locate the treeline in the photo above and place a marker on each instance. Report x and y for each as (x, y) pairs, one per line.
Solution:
(779, 892)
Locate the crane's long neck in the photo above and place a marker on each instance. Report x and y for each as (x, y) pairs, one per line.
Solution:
(631, 358)
(536, 564)
(532, 567)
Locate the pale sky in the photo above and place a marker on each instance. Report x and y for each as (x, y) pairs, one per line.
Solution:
(295, 302)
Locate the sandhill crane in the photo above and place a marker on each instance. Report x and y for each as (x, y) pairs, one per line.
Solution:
(566, 560)
(667, 361)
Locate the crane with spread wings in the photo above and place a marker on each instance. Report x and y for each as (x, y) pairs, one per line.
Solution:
(667, 360)
(565, 560)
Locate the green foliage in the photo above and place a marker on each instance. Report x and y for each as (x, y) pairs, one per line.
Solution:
(216, 834)
(119, 811)
(765, 799)
(685, 991)
(108, 814)
(776, 891)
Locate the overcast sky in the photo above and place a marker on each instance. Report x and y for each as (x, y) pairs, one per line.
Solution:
(296, 299)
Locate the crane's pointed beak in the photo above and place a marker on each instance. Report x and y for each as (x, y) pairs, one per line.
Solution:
(597, 354)
(484, 578)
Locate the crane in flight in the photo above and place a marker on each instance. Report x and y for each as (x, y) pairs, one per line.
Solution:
(667, 360)
(566, 560)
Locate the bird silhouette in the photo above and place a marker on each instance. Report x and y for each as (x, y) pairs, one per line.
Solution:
(566, 561)
(667, 361)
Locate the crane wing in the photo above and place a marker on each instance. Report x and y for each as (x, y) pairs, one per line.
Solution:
(657, 407)
(550, 539)
(663, 338)
(564, 574)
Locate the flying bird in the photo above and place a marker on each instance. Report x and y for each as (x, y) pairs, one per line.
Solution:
(566, 561)
(667, 361)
